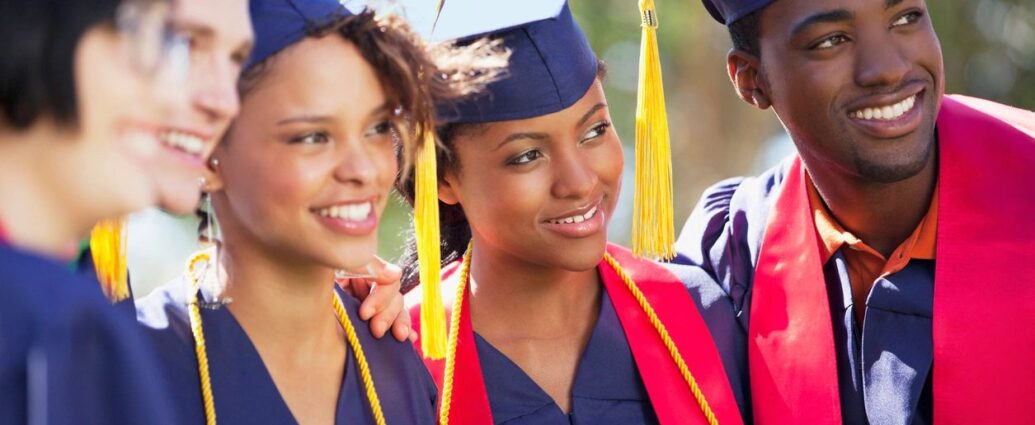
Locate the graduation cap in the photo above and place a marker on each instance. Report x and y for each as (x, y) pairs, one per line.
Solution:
(281, 23)
(730, 11)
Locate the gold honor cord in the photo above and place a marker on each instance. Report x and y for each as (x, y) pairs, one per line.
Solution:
(199, 348)
(673, 351)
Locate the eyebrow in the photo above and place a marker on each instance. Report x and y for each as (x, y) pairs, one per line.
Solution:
(589, 114)
(888, 4)
(518, 136)
(839, 15)
(315, 118)
(305, 119)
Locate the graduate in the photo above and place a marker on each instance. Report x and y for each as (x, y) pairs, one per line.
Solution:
(256, 331)
(879, 275)
(219, 36)
(79, 104)
(548, 323)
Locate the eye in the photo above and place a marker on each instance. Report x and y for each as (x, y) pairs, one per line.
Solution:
(385, 127)
(598, 130)
(316, 137)
(525, 157)
(830, 42)
(908, 18)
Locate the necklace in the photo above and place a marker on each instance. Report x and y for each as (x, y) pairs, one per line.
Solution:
(670, 345)
(208, 400)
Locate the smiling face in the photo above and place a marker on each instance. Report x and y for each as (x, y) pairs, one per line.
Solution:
(857, 83)
(220, 37)
(306, 168)
(543, 189)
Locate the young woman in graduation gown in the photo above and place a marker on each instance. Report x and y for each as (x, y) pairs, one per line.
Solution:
(80, 98)
(256, 331)
(549, 323)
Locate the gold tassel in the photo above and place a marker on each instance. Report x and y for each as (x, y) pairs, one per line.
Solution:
(653, 228)
(108, 247)
(438, 14)
(425, 217)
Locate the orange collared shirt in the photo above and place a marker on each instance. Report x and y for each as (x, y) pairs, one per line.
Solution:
(865, 264)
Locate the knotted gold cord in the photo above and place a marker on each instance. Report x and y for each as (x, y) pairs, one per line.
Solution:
(673, 351)
(208, 400)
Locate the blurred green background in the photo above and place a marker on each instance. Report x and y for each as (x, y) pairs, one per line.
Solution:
(989, 49)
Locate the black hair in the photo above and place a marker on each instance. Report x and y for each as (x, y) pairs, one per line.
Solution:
(37, 57)
(745, 33)
(454, 230)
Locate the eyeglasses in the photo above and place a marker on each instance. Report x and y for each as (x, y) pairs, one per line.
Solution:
(154, 47)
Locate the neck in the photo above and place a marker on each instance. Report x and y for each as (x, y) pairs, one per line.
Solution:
(37, 212)
(546, 301)
(282, 303)
(881, 214)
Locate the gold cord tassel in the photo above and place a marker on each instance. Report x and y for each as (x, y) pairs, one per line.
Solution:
(425, 217)
(653, 228)
(108, 247)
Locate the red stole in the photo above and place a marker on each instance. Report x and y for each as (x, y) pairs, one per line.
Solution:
(984, 290)
(669, 394)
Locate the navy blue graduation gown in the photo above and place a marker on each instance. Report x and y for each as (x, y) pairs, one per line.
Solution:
(607, 388)
(242, 387)
(66, 357)
(883, 365)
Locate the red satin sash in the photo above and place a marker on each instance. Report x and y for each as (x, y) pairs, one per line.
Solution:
(669, 394)
(984, 284)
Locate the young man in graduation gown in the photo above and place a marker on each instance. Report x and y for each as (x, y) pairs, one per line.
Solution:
(572, 339)
(883, 273)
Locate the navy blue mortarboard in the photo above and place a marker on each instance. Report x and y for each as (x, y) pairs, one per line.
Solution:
(551, 63)
(730, 11)
(281, 23)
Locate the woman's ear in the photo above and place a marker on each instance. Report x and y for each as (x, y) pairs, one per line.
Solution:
(212, 179)
(447, 189)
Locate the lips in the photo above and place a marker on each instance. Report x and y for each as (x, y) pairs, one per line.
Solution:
(890, 117)
(350, 218)
(581, 223)
(190, 145)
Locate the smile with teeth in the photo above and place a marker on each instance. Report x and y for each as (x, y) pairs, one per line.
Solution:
(885, 113)
(184, 142)
(575, 218)
(349, 212)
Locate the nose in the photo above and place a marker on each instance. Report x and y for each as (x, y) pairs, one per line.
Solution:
(879, 61)
(574, 177)
(357, 166)
(216, 88)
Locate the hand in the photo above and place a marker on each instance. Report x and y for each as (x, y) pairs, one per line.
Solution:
(381, 300)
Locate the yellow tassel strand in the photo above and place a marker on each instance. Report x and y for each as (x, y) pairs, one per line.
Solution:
(194, 311)
(438, 14)
(361, 360)
(670, 345)
(666, 339)
(653, 233)
(454, 333)
(108, 248)
(208, 401)
(425, 217)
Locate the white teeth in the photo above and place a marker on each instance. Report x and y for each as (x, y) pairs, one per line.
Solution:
(185, 142)
(576, 218)
(888, 112)
(350, 212)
